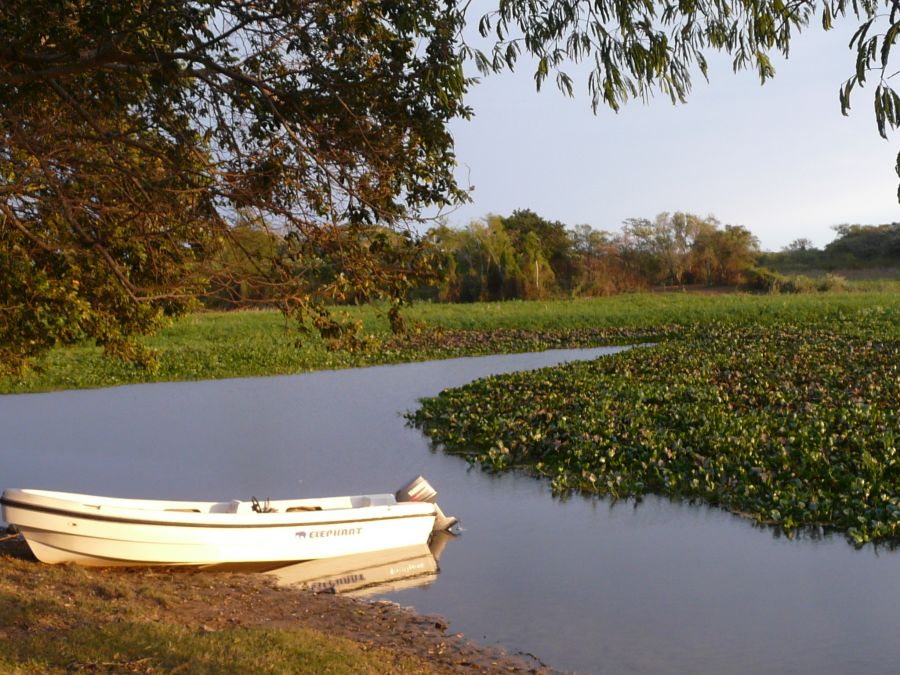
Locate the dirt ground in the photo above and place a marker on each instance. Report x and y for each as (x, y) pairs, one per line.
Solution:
(218, 601)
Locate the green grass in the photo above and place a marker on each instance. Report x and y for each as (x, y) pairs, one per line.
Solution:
(241, 344)
(878, 284)
(650, 310)
(157, 647)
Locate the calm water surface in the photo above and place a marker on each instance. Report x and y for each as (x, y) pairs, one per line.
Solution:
(583, 585)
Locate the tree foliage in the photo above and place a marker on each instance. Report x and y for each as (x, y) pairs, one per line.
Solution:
(867, 243)
(636, 49)
(132, 132)
(855, 247)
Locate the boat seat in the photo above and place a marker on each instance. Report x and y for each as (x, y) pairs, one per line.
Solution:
(226, 507)
(294, 509)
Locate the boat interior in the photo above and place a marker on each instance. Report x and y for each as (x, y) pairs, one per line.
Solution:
(45, 498)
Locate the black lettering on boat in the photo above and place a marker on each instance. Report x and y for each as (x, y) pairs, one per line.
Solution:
(332, 584)
(331, 532)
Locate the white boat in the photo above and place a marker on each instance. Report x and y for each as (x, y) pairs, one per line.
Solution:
(63, 527)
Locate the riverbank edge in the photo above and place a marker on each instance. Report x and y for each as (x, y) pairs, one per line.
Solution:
(220, 603)
(223, 345)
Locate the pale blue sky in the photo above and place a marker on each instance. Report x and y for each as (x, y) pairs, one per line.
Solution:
(779, 159)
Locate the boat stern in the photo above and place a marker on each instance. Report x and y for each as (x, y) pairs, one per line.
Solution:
(420, 490)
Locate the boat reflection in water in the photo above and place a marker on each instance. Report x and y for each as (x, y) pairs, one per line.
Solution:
(366, 574)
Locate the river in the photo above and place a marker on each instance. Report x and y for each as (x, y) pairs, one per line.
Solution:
(583, 584)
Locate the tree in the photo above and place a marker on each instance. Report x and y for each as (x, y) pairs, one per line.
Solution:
(735, 250)
(857, 244)
(479, 262)
(660, 249)
(447, 240)
(799, 246)
(555, 242)
(96, 240)
(133, 131)
(640, 250)
(599, 268)
(499, 269)
(239, 273)
(537, 274)
(682, 229)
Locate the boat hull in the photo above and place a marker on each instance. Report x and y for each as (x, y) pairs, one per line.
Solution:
(95, 531)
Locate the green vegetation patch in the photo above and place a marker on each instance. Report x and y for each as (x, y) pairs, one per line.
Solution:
(256, 343)
(160, 647)
(792, 424)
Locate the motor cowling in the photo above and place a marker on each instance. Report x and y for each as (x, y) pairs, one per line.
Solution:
(417, 490)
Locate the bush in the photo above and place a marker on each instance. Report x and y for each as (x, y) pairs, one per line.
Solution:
(764, 280)
(833, 282)
(769, 281)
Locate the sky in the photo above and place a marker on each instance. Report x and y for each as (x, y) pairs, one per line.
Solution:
(779, 159)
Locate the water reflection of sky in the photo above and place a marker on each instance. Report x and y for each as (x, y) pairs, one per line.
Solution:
(586, 586)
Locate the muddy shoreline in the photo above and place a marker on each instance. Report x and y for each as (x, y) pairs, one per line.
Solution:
(222, 601)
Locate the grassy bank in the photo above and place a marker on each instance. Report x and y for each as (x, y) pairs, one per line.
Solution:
(240, 344)
(790, 418)
(62, 619)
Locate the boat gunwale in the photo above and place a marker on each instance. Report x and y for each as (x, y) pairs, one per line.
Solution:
(183, 519)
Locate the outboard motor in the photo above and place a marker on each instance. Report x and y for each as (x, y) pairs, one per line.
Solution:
(419, 490)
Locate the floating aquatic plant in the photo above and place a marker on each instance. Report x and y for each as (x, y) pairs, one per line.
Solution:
(794, 425)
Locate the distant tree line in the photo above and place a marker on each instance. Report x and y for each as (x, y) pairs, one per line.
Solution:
(855, 247)
(525, 256)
